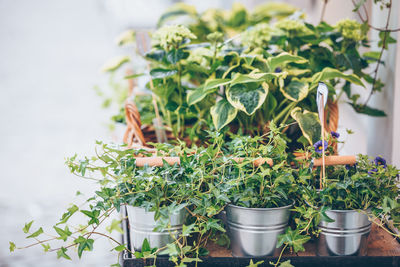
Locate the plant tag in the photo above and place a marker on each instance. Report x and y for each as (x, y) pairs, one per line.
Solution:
(322, 98)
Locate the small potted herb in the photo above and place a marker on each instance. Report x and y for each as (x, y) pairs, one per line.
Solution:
(260, 196)
(351, 198)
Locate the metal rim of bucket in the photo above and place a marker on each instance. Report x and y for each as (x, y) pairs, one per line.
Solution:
(261, 209)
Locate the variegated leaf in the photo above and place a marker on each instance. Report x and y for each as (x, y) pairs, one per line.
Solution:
(308, 123)
(222, 113)
(296, 90)
(247, 97)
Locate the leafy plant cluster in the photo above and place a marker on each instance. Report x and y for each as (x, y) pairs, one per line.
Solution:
(268, 71)
(253, 172)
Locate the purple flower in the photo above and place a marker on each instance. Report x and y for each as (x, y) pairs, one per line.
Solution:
(379, 161)
(349, 167)
(278, 70)
(372, 171)
(318, 146)
(335, 134)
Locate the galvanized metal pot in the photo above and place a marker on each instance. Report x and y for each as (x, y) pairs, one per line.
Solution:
(346, 236)
(254, 231)
(142, 223)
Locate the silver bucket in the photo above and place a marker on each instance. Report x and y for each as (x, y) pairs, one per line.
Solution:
(346, 236)
(142, 223)
(254, 231)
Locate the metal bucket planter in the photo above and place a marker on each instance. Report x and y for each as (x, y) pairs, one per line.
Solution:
(142, 223)
(346, 236)
(254, 231)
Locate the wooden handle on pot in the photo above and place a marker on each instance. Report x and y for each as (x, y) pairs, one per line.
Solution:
(158, 161)
(329, 160)
(336, 160)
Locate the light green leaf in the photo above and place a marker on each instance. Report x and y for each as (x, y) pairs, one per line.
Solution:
(46, 247)
(127, 37)
(210, 84)
(115, 225)
(162, 73)
(252, 264)
(62, 253)
(27, 227)
(12, 246)
(296, 90)
(294, 239)
(177, 10)
(187, 229)
(253, 77)
(37, 233)
(282, 59)
(329, 73)
(197, 95)
(309, 124)
(247, 97)
(119, 248)
(286, 264)
(115, 63)
(222, 113)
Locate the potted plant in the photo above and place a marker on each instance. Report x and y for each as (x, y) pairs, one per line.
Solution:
(172, 208)
(260, 196)
(341, 208)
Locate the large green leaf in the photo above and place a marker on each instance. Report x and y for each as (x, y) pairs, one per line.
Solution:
(222, 113)
(282, 59)
(115, 63)
(247, 97)
(368, 110)
(210, 86)
(309, 124)
(177, 10)
(296, 90)
(329, 73)
(162, 73)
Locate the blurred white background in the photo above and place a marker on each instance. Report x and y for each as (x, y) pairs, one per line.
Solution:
(51, 53)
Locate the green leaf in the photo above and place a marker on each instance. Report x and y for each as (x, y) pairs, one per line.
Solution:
(368, 110)
(115, 225)
(62, 253)
(174, 56)
(146, 245)
(187, 229)
(385, 39)
(197, 95)
(372, 55)
(83, 244)
(70, 211)
(329, 73)
(64, 234)
(27, 227)
(162, 73)
(293, 239)
(133, 76)
(37, 233)
(247, 97)
(12, 246)
(324, 216)
(253, 78)
(179, 9)
(284, 58)
(286, 264)
(127, 37)
(296, 90)
(222, 113)
(213, 83)
(308, 123)
(120, 248)
(252, 264)
(46, 247)
(115, 63)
